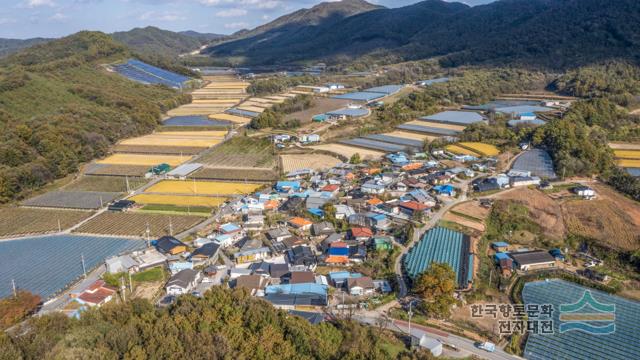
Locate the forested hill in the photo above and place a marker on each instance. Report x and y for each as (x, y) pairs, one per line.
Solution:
(154, 42)
(59, 108)
(10, 46)
(541, 33)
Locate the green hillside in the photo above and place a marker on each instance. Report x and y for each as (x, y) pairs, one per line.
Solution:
(59, 108)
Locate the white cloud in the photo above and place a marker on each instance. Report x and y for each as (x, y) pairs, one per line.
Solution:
(162, 16)
(38, 3)
(236, 25)
(257, 4)
(231, 13)
(5, 21)
(58, 17)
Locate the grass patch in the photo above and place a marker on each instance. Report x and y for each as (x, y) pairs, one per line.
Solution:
(456, 227)
(466, 216)
(179, 210)
(151, 275)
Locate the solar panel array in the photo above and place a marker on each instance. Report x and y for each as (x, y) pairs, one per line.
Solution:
(538, 162)
(376, 145)
(47, 264)
(501, 104)
(396, 140)
(193, 121)
(440, 245)
(623, 344)
(454, 117)
(148, 74)
(428, 130)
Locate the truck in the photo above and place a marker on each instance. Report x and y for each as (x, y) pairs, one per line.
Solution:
(487, 346)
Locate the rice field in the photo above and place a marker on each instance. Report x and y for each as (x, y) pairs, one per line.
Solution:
(627, 154)
(629, 163)
(146, 160)
(166, 139)
(158, 150)
(106, 183)
(481, 148)
(136, 224)
(349, 151)
(202, 187)
(24, 221)
(178, 200)
(458, 150)
(308, 161)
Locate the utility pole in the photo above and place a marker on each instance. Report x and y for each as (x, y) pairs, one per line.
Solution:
(84, 268)
(101, 202)
(126, 180)
(410, 313)
(130, 283)
(59, 226)
(170, 227)
(15, 290)
(123, 290)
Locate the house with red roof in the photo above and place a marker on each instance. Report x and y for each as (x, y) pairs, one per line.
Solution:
(97, 294)
(360, 233)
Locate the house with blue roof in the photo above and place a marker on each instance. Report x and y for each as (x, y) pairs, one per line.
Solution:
(447, 190)
(399, 158)
(378, 221)
(339, 278)
(287, 186)
(297, 289)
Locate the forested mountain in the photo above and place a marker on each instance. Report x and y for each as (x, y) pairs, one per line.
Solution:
(203, 37)
(59, 108)
(9, 46)
(221, 325)
(543, 33)
(154, 42)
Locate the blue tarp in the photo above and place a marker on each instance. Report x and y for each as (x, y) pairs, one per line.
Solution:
(318, 289)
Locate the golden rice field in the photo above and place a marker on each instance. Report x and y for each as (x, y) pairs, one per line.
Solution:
(481, 148)
(202, 187)
(178, 200)
(411, 136)
(228, 117)
(146, 160)
(629, 163)
(458, 150)
(168, 141)
(195, 134)
(627, 154)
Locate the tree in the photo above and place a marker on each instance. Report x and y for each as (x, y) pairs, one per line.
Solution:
(436, 287)
(355, 159)
(15, 309)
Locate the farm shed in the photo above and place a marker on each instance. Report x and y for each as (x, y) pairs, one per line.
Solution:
(182, 171)
(533, 260)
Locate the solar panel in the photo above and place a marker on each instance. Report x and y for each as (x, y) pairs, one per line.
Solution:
(538, 162)
(396, 140)
(620, 345)
(147, 74)
(428, 130)
(376, 145)
(386, 89)
(46, 264)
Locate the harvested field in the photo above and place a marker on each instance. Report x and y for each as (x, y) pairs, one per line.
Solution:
(321, 106)
(242, 152)
(629, 163)
(135, 224)
(349, 151)
(481, 148)
(202, 187)
(164, 150)
(23, 221)
(412, 136)
(116, 170)
(255, 109)
(308, 161)
(611, 218)
(437, 125)
(543, 210)
(178, 200)
(469, 214)
(624, 146)
(168, 139)
(116, 184)
(461, 220)
(228, 117)
(459, 150)
(85, 200)
(627, 154)
(195, 134)
(235, 174)
(146, 160)
(196, 109)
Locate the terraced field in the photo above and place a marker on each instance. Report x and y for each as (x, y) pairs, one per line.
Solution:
(411, 136)
(178, 200)
(481, 148)
(459, 150)
(136, 224)
(106, 183)
(241, 152)
(23, 221)
(143, 160)
(227, 117)
(177, 138)
(308, 161)
(202, 187)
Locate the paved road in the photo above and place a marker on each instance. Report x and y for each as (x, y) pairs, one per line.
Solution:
(465, 346)
(59, 302)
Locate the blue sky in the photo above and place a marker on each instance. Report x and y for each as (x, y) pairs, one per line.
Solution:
(54, 18)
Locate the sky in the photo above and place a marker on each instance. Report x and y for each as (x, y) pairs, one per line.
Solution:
(21, 19)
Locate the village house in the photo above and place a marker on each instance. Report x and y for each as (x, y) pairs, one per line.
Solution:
(361, 286)
(205, 255)
(255, 284)
(278, 234)
(300, 223)
(360, 234)
(97, 294)
(322, 229)
(183, 282)
(251, 255)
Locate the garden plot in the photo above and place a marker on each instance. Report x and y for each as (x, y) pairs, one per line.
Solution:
(178, 200)
(86, 200)
(144, 160)
(115, 170)
(459, 150)
(175, 139)
(469, 214)
(349, 151)
(235, 174)
(202, 187)
(136, 224)
(118, 184)
(241, 152)
(23, 221)
(481, 148)
(308, 161)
